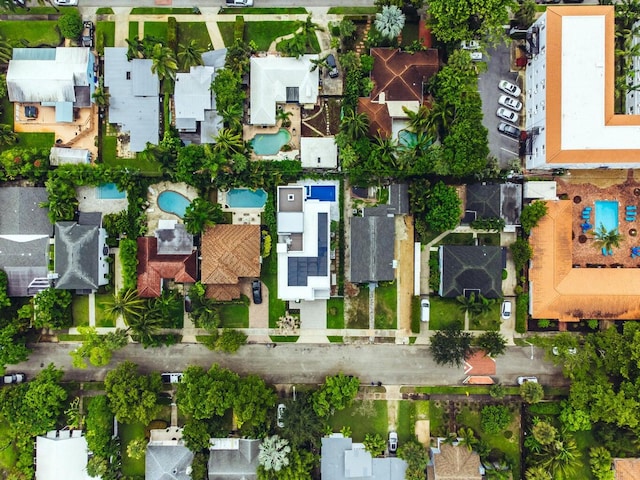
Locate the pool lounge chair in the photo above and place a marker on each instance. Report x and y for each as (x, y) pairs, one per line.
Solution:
(630, 219)
(631, 207)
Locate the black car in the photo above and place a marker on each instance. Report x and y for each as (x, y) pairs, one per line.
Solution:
(256, 289)
(333, 67)
(509, 130)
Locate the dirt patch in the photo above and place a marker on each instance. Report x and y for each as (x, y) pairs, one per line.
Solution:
(392, 414)
(422, 432)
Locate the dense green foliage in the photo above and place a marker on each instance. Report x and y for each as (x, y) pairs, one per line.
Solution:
(495, 418)
(493, 343)
(132, 397)
(52, 309)
(451, 346)
(521, 252)
(531, 215)
(337, 393)
(129, 263)
(98, 349)
(70, 23)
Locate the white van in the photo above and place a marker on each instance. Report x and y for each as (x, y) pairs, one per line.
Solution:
(424, 310)
(239, 3)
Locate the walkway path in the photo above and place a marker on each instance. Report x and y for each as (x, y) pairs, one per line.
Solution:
(404, 247)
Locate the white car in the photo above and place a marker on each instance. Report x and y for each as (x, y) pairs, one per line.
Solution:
(570, 351)
(65, 3)
(505, 311)
(470, 45)
(512, 103)
(523, 380)
(281, 408)
(424, 310)
(508, 115)
(393, 442)
(510, 88)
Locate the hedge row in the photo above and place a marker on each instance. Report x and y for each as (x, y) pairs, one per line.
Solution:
(129, 262)
(238, 28)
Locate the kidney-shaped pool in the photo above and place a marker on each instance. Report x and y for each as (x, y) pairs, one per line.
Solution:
(173, 202)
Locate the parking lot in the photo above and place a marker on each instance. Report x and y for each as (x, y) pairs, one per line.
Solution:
(504, 148)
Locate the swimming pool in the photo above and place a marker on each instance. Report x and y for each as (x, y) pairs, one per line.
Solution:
(109, 191)
(407, 138)
(270, 143)
(606, 214)
(245, 198)
(173, 202)
(325, 193)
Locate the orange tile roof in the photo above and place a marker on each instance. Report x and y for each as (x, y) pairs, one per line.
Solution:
(478, 380)
(153, 268)
(229, 252)
(626, 468)
(559, 291)
(379, 118)
(478, 363)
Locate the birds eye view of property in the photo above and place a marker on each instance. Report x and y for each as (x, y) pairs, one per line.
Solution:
(275, 240)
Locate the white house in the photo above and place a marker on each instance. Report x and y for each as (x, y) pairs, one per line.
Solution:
(62, 451)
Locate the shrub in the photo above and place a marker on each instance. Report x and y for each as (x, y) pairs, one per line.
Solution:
(129, 262)
(494, 418)
(172, 34)
(238, 28)
(70, 24)
(522, 253)
(531, 215)
(434, 272)
(522, 312)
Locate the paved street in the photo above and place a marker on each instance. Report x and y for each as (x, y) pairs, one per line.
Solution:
(292, 363)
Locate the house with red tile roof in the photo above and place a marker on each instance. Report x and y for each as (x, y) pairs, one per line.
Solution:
(229, 254)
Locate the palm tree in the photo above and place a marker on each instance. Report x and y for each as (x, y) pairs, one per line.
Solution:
(229, 142)
(125, 304)
(6, 50)
(441, 116)
(145, 326)
(561, 458)
(100, 96)
(355, 125)
(190, 55)
(164, 63)
(607, 240)
(320, 62)
(468, 438)
(307, 30)
(200, 215)
(283, 116)
(135, 48)
(390, 21)
(383, 154)
(537, 473)
(419, 121)
(7, 135)
(295, 46)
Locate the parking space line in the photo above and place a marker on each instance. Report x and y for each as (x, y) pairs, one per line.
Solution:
(509, 151)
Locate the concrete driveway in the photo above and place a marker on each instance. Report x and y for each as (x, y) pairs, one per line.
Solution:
(504, 148)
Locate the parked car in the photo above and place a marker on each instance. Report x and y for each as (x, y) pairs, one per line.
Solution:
(510, 88)
(188, 305)
(424, 310)
(505, 311)
(509, 130)
(280, 413)
(256, 290)
(87, 34)
(570, 350)
(171, 377)
(393, 442)
(470, 45)
(239, 3)
(522, 380)
(508, 115)
(65, 3)
(333, 67)
(512, 103)
(13, 378)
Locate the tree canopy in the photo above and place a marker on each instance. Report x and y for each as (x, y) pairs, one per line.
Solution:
(450, 346)
(337, 393)
(132, 397)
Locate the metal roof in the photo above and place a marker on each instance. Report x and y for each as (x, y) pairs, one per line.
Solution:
(64, 453)
(372, 248)
(301, 268)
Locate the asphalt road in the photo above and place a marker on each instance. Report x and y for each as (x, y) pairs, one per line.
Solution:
(299, 364)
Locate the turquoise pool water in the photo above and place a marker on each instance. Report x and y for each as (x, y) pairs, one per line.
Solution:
(173, 202)
(243, 197)
(606, 214)
(270, 143)
(109, 191)
(407, 138)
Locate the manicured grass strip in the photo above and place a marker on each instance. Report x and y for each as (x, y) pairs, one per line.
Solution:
(234, 315)
(148, 167)
(226, 32)
(36, 140)
(284, 338)
(108, 32)
(65, 337)
(386, 306)
(263, 11)
(369, 416)
(197, 31)
(80, 310)
(415, 314)
(270, 279)
(335, 313)
(487, 321)
(444, 312)
(353, 10)
(406, 420)
(104, 11)
(457, 239)
(32, 33)
(109, 148)
(97, 386)
(461, 390)
(335, 339)
(162, 11)
(134, 30)
(127, 433)
(102, 302)
(264, 33)
(437, 420)
(156, 29)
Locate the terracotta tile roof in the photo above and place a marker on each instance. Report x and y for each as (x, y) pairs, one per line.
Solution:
(559, 291)
(479, 364)
(152, 268)
(229, 252)
(379, 118)
(400, 75)
(478, 380)
(456, 463)
(626, 468)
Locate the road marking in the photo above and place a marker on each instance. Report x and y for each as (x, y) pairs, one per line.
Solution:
(509, 151)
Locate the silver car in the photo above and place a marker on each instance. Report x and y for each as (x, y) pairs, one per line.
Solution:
(512, 103)
(508, 115)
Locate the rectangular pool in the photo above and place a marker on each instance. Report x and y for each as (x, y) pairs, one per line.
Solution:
(606, 214)
(245, 198)
(109, 191)
(324, 193)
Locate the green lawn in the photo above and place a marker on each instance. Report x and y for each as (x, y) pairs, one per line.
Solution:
(109, 149)
(8, 452)
(457, 239)
(489, 239)
(409, 33)
(270, 278)
(585, 441)
(386, 306)
(134, 30)
(102, 301)
(108, 32)
(31, 33)
(263, 11)
(197, 31)
(353, 10)
(128, 432)
(487, 321)
(444, 312)
(6, 112)
(437, 420)
(363, 417)
(226, 32)
(358, 316)
(147, 167)
(415, 314)
(156, 29)
(161, 11)
(406, 421)
(264, 33)
(104, 11)
(509, 446)
(335, 313)
(80, 310)
(235, 315)
(36, 140)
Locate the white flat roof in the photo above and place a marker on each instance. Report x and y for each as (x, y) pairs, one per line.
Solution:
(318, 152)
(64, 454)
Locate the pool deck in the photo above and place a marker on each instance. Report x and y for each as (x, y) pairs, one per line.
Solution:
(584, 195)
(154, 212)
(250, 131)
(241, 215)
(90, 202)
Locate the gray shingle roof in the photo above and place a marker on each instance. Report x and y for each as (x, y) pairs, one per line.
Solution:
(23, 262)
(471, 268)
(495, 201)
(167, 462)
(76, 256)
(240, 464)
(21, 213)
(174, 241)
(372, 248)
(399, 198)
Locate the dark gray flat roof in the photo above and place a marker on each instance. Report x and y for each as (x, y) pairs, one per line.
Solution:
(372, 249)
